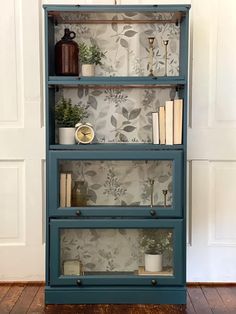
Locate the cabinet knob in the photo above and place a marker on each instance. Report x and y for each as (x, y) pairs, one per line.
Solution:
(152, 212)
(78, 213)
(79, 282)
(154, 282)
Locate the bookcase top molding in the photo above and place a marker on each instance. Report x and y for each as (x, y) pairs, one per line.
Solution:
(138, 14)
(119, 8)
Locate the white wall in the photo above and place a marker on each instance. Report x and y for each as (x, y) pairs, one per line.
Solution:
(211, 144)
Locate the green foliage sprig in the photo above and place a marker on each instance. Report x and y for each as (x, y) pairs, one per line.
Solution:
(67, 114)
(156, 241)
(90, 54)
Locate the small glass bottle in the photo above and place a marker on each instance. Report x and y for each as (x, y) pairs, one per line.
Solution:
(79, 194)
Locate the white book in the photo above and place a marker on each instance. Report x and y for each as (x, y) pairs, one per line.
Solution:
(169, 122)
(155, 128)
(162, 123)
(63, 190)
(68, 189)
(178, 121)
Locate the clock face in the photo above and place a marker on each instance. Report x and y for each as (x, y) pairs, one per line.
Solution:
(84, 134)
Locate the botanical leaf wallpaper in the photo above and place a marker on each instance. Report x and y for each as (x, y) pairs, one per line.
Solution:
(126, 45)
(106, 249)
(120, 115)
(122, 182)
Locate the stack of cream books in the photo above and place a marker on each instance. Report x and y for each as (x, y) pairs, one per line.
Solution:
(167, 123)
(65, 189)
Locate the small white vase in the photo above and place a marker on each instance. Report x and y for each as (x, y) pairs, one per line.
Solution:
(88, 69)
(67, 136)
(153, 262)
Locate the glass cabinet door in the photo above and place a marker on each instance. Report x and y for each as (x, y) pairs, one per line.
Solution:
(135, 183)
(116, 252)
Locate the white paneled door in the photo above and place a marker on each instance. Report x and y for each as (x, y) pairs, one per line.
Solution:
(212, 143)
(21, 142)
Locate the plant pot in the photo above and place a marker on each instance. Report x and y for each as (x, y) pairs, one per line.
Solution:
(67, 136)
(153, 262)
(88, 69)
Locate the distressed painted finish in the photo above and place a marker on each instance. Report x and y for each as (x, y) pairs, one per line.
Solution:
(61, 227)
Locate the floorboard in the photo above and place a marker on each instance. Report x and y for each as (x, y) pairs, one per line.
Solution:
(214, 300)
(228, 297)
(37, 305)
(24, 301)
(10, 298)
(20, 298)
(199, 301)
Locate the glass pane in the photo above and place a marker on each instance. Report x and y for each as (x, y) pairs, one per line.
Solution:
(119, 115)
(116, 251)
(116, 182)
(126, 43)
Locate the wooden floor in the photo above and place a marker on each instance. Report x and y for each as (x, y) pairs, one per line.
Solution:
(29, 298)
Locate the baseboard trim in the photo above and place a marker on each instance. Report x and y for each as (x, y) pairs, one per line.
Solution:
(22, 283)
(211, 284)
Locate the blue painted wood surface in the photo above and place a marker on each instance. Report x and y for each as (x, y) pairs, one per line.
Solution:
(115, 295)
(132, 291)
(117, 80)
(118, 8)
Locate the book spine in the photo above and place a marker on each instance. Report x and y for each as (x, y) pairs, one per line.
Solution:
(63, 190)
(68, 189)
(178, 121)
(169, 122)
(162, 122)
(155, 128)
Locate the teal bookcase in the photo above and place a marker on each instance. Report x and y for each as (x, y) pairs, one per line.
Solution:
(132, 189)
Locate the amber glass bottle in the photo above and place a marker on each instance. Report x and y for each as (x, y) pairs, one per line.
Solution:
(67, 55)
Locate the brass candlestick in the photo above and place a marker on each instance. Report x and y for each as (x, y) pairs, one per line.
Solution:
(151, 181)
(165, 42)
(164, 193)
(151, 48)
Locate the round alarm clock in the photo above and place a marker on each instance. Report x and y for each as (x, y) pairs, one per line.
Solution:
(84, 133)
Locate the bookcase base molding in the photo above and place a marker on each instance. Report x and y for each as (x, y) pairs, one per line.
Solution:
(115, 295)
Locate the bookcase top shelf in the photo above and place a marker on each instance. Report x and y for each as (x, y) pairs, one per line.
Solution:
(131, 81)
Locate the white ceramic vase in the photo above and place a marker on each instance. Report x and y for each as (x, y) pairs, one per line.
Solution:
(88, 69)
(67, 136)
(153, 262)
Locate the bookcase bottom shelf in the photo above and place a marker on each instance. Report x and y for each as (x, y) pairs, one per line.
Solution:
(115, 295)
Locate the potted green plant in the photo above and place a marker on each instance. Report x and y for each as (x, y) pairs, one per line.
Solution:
(67, 116)
(89, 57)
(154, 243)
